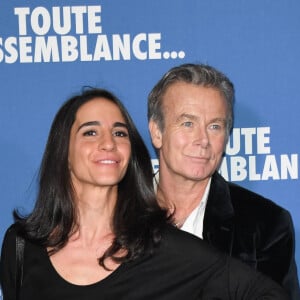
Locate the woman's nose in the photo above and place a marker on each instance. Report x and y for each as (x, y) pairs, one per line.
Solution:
(107, 142)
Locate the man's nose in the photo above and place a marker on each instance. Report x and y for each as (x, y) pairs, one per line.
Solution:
(202, 137)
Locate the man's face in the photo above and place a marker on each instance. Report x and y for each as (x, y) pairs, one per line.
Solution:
(192, 142)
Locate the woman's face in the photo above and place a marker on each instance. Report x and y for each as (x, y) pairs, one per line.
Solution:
(99, 149)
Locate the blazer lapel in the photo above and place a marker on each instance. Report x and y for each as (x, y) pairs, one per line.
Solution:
(218, 229)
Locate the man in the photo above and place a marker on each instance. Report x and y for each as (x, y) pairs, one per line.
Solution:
(190, 113)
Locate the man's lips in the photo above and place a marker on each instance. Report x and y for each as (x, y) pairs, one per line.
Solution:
(196, 157)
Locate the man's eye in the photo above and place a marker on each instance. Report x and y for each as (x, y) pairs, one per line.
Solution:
(215, 126)
(89, 133)
(187, 124)
(121, 133)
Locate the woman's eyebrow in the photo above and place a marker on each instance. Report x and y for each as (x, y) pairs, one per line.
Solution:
(120, 124)
(90, 123)
(97, 123)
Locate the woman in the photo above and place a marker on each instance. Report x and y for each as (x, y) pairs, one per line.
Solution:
(97, 232)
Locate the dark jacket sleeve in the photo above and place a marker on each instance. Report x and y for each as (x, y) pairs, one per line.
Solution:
(8, 265)
(238, 281)
(275, 252)
(290, 280)
(254, 286)
(265, 238)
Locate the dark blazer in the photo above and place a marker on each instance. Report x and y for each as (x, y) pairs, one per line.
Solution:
(253, 229)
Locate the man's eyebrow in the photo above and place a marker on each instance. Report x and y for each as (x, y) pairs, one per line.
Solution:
(187, 116)
(224, 120)
(193, 117)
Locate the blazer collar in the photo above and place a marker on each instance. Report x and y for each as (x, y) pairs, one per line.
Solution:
(219, 203)
(218, 219)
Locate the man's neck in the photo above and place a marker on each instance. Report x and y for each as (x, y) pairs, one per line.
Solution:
(179, 195)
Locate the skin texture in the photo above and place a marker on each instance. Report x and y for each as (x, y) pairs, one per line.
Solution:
(99, 145)
(191, 145)
(99, 152)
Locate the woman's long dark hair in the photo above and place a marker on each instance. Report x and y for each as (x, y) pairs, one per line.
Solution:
(137, 220)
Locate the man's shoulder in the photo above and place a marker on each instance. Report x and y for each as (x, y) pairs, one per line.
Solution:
(243, 196)
(249, 203)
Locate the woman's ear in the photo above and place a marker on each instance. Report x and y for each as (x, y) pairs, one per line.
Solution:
(156, 135)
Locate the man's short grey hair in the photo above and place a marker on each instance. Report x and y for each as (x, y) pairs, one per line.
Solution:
(198, 74)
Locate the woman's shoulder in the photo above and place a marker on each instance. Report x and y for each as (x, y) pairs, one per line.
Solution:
(10, 236)
(177, 236)
(188, 246)
(8, 253)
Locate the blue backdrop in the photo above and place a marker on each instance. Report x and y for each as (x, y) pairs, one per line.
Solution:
(50, 49)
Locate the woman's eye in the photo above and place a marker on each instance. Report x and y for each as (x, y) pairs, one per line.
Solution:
(121, 133)
(89, 133)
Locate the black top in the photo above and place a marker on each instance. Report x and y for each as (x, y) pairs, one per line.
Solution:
(182, 267)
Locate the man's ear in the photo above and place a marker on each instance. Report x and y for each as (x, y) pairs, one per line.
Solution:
(156, 135)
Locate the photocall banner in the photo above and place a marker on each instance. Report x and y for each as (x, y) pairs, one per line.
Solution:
(50, 50)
